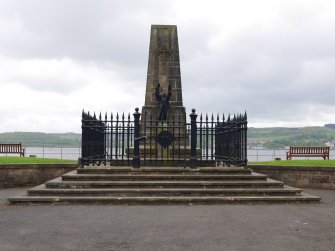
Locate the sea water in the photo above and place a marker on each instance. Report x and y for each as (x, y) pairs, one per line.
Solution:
(73, 153)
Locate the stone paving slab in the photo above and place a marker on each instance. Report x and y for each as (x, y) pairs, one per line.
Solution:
(173, 227)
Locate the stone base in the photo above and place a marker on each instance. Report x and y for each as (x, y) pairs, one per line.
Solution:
(167, 153)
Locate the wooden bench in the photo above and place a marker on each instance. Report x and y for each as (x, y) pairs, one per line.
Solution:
(308, 151)
(12, 148)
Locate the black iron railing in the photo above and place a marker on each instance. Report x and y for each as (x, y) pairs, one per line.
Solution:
(231, 141)
(118, 140)
(93, 139)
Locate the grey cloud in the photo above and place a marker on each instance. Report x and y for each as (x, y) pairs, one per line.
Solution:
(275, 70)
(264, 71)
(104, 33)
(55, 85)
(105, 30)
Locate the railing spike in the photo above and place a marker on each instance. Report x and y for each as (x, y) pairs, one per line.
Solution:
(94, 116)
(123, 116)
(117, 116)
(200, 116)
(111, 115)
(223, 118)
(100, 116)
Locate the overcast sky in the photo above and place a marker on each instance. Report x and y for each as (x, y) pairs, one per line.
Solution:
(274, 59)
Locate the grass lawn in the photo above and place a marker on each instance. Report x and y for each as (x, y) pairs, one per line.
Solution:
(296, 163)
(29, 160)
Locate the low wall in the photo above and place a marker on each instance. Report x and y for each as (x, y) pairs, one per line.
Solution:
(300, 176)
(16, 175)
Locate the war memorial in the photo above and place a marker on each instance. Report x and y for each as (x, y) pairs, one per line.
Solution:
(163, 153)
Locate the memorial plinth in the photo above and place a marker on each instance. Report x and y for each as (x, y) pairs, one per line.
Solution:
(163, 78)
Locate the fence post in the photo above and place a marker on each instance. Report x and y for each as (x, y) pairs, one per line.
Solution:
(193, 157)
(136, 158)
(83, 152)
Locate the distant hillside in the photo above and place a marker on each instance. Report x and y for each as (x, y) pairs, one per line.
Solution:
(275, 137)
(279, 137)
(42, 139)
(330, 126)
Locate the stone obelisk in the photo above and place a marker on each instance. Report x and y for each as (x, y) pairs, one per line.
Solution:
(163, 69)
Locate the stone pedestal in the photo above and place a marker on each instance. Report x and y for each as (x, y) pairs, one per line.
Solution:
(164, 69)
(167, 153)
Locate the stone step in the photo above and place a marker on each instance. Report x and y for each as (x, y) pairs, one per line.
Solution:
(43, 191)
(58, 183)
(168, 185)
(188, 200)
(163, 170)
(150, 177)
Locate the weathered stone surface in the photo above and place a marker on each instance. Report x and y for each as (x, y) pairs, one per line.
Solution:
(169, 185)
(163, 69)
(300, 176)
(18, 175)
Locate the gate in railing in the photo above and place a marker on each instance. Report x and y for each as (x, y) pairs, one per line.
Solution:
(93, 138)
(118, 140)
(231, 138)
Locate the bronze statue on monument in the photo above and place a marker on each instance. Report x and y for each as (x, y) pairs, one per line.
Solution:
(163, 100)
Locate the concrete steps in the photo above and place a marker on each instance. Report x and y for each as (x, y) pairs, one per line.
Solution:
(304, 198)
(154, 177)
(162, 170)
(161, 184)
(124, 185)
(41, 191)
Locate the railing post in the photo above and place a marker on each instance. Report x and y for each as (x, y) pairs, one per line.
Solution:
(136, 158)
(83, 152)
(193, 157)
(80, 162)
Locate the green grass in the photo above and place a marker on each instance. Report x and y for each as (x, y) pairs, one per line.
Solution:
(296, 163)
(29, 160)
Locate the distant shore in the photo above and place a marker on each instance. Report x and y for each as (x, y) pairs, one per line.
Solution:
(258, 138)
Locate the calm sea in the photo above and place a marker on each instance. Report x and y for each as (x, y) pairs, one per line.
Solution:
(74, 153)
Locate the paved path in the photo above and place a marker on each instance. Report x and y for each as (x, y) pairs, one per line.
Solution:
(219, 227)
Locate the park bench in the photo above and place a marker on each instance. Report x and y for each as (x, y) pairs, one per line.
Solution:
(308, 151)
(12, 148)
